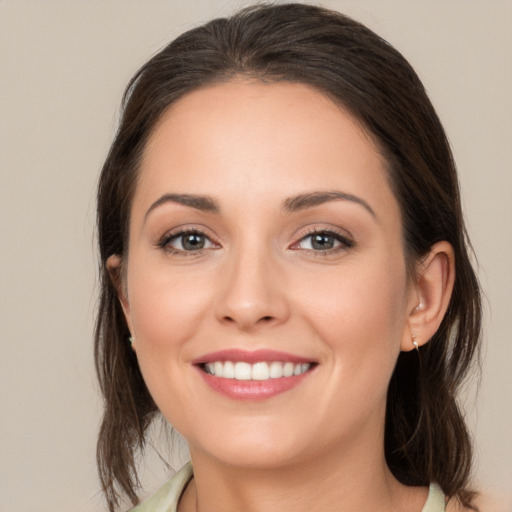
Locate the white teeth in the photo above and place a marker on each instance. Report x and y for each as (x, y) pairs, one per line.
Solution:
(258, 371)
(229, 370)
(242, 371)
(288, 369)
(276, 370)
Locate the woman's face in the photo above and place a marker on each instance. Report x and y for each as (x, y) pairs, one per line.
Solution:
(264, 240)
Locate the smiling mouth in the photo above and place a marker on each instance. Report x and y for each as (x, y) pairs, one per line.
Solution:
(259, 371)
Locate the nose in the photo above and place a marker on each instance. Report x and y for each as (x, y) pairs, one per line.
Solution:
(252, 293)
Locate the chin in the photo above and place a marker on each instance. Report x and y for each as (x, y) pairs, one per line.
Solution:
(256, 445)
(261, 456)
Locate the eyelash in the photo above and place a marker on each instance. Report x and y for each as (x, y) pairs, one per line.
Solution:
(165, 241)
(345, 243)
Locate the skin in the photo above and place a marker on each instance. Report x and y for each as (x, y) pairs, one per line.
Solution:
(258, 283)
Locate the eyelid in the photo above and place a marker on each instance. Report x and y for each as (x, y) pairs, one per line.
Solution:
(346, 240)
(164, 241)
(342, 236)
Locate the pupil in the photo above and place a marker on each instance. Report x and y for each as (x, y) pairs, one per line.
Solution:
(193, 242)
(322, 242)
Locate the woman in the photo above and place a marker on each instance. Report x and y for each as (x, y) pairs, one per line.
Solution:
(285, 274)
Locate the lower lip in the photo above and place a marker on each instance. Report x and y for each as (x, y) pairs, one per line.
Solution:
(252, 389)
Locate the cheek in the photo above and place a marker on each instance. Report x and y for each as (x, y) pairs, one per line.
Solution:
(368, 300)
(165, 309)
(360, 314)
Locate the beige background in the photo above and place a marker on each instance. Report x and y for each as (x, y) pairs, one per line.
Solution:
(63, 68)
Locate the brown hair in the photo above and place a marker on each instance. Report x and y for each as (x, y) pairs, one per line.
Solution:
(426, 438)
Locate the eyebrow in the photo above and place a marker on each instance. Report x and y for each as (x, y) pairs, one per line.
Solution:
(202, 203)
(311, 199)
(292, 204)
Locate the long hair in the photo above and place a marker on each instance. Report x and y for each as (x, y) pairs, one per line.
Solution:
(426, 438)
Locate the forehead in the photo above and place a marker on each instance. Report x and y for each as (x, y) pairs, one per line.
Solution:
(258, 138)
(280, 110)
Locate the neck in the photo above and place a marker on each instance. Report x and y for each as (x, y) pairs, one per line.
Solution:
(355, 479)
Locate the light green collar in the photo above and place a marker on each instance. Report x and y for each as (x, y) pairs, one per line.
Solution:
(167, 497)
(435, 501)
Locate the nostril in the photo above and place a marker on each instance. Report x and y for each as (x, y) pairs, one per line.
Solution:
(263, 319)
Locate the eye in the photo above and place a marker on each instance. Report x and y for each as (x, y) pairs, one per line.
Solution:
(187, 241)
(323, 241)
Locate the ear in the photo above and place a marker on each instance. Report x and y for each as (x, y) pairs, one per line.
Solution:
(431, 295)
(115, 270)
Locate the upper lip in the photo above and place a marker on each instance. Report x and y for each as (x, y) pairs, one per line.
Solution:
(250, 356)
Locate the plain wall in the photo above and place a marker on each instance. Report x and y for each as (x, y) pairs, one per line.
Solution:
(63, 67)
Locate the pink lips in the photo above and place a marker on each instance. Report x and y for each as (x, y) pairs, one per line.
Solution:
(251, 357)
(250, 389)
